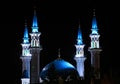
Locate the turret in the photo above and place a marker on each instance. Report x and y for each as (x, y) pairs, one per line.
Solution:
(35, 51)
(25, 57)
(79, 57)
(95, 50)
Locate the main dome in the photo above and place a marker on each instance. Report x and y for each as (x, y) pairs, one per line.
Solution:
(58, 68)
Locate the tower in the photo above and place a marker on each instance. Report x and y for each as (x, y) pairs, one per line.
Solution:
(95, 49)
(35, 51)
(79, 57)
(26, 57)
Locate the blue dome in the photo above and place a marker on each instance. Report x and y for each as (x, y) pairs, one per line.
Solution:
(58, 67)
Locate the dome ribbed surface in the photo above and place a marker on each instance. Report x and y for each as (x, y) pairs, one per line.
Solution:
(58, 67)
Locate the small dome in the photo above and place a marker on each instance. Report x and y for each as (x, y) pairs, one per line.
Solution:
(58, 68)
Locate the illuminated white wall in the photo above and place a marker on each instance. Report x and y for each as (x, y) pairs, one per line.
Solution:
(25, 81)
(80, 66)
(94, 41)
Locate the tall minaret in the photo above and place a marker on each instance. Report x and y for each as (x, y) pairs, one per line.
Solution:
(95, 49)
(35, 51)
(26, 57)
(79, 57)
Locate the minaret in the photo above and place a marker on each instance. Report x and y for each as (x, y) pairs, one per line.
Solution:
(95, 49)
(35, 51)
(26, 57)
(79, 57)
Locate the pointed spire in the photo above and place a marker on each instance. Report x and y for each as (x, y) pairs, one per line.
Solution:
(59, 53)
(26, 37)
(93, 12)
(35, 24)
(79, 37)
(94, 24)
(35, 19)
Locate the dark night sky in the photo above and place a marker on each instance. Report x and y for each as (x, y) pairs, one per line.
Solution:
(58, 23)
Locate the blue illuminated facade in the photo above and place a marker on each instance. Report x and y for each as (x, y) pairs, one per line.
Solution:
(58, 68)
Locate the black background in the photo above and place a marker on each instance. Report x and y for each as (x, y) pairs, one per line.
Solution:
(58, 23)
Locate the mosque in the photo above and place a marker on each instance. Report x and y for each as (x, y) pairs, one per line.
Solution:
(59, 71)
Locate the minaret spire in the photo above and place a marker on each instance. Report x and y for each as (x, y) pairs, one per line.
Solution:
(35, 33)
(95, 49)
(79, 36)
(59, 53)
(94, 35)
(35, 20)
(26, 43)
(35, 51)
(26, 57)
(79, 57)
(94, 24)
(26, 37)
(93, 12)
(35, 24)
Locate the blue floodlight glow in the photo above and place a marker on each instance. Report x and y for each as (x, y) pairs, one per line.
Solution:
(35, 20)
(26, 37)
(61, 64)
(34, 29)
(94, 26)
(58, 67)
(79, 38)
(34, 24)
